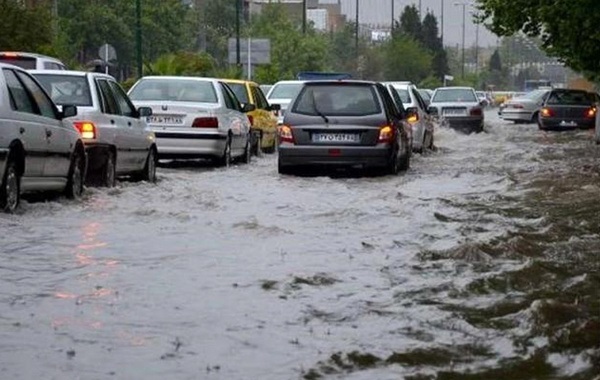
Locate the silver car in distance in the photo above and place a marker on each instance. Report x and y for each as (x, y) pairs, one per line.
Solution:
(458, 108)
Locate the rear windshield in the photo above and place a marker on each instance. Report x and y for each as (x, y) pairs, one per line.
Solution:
(285, 90)
(454, 95)
(337, 100)
(240, 92)
(27, 63)
(404, 95)
(66, 89)
(178, 90)
(570, 98)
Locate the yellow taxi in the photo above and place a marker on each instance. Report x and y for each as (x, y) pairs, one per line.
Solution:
(263, 120)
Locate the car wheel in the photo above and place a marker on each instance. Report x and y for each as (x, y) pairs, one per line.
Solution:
(393, 166)
(75, 181)
(225, 159)
(109, 171)
(431, 145)
(10, 193)
(149, 172)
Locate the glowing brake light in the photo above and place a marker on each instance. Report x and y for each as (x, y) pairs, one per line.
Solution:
(546, 112)
(591, 112)
(413, 118)
(10, 54)
(205, 122)
(386, 134)
(86, 129)
(476, 112)
(285, 134)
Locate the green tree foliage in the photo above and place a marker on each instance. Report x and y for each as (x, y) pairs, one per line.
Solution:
(495, 61)
(24, 29)
(568, 29)
(406, 59)
(218, 21)
(429, 36)
(182, 63)
(410, 23)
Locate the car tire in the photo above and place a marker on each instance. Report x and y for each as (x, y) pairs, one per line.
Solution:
(431, 145)
(225, 159)
(10, 193)
(109, 171)
(149, 172)
(74, 188)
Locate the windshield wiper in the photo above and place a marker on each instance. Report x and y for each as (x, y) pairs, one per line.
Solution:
(317, 111)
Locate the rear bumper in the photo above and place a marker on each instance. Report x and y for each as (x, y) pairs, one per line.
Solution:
(513, 115)
(335, 156)
(190, 145)
(566, 124)
(467, 124)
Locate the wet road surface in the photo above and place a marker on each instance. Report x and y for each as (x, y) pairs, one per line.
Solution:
(481, 262)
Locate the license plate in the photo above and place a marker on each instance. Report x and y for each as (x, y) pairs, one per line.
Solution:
(335, 137)
(568, 124)
(165, 119)
(455, 112)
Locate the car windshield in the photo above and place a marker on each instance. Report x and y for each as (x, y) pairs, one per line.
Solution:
(454, 95)
(66, 89)
(178, 90)
(570, 98)
(285, 90)
(239, 89)
(337, 100)
(27, 63)
(403, 93)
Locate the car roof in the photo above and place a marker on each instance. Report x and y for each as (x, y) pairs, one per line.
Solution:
(455, 88)
(288, 82)
(172, 77)
(27, 54)
(339, 82)
(71, 73)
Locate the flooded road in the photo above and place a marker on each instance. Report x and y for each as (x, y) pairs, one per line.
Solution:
(481, 262)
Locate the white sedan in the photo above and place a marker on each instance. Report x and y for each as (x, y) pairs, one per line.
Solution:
(195, 117)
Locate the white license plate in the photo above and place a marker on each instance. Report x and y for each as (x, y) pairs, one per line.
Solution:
(165, 119)
(568, 124)
(335, 137)
(455, 112)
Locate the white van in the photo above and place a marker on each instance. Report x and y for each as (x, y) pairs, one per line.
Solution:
(31, 61)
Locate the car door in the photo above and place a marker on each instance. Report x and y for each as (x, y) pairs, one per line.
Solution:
(240, 126)
(110, 107)
(133, 135)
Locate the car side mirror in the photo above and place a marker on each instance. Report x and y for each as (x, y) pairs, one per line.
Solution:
(275, 107)
(68, 111)
(247, 107)
(144, 111)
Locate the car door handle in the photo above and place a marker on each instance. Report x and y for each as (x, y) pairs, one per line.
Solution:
(48, 133)
(21, 130)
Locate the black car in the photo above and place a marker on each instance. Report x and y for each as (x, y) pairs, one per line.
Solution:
(344, 123)
(568, 109)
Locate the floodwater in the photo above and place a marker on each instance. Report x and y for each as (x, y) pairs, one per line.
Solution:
(481, 262)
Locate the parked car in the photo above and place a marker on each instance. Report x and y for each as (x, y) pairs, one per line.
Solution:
(262, 119)
(38, 150)
(458, 108)
(282, 93)
(31, 61)
(525, 108)
(195, 117)
(117, 140)
(417, 115)
(568, 109)
(344, 124)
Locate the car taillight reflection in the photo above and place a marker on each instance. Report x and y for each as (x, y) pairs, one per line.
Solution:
(591, 112)
(285, 134)
(86, 129)
(205, 122)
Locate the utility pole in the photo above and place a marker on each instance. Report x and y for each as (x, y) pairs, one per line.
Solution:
(356, 30)
(303, 16)
(477, 48)
(138, 37)
(442, 23)
(392, 28)
(237, 32)
(464, 6)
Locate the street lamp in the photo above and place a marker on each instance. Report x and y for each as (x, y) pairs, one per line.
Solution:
(464, 5)
(138, 37)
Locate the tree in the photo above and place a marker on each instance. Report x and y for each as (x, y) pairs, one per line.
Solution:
(24, 29)
(568, 29)
(495, 61)
(429, 36)
(406, 60)
(410, 23)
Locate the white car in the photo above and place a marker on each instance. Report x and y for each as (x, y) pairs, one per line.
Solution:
(116, 136)
(282, 93)
(458, 108)
(38, 150)
(31, 61)
(524, 108)
(195, 117)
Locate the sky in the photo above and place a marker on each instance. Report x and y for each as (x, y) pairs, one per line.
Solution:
(378, 12)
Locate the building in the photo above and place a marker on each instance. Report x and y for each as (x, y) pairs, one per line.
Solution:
(324, 14)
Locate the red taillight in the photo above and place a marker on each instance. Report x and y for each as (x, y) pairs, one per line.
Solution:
(591, 112)
(86, 129)
(413, 118)
(386, 134)
(546, 112)
(205, 122)
(285, 134)
(517, 106)
(476, 112)
(251, 118)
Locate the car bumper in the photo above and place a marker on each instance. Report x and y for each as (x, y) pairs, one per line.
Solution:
(332, 156)
(190, 145)
(516, 115)
(465, 124)
(562, 124)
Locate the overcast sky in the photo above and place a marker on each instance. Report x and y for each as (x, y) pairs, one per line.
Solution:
(379, 12)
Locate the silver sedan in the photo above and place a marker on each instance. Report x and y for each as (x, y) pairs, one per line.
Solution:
(525, 108)
(195, 117)
(458, 108)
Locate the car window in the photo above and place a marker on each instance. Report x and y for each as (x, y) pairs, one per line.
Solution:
(19, 98)
(285, 90)
(388, 103)
(419, 99)
(569, 98)
(125, 105)
(397, 100)
(231, 101)
(337, 100)
(454, 95)
(404, 95)
(66, 89)
(109, 103)
(45, 107)
(177, 90)
(239, 89)
(27, 63)
(259, 98)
